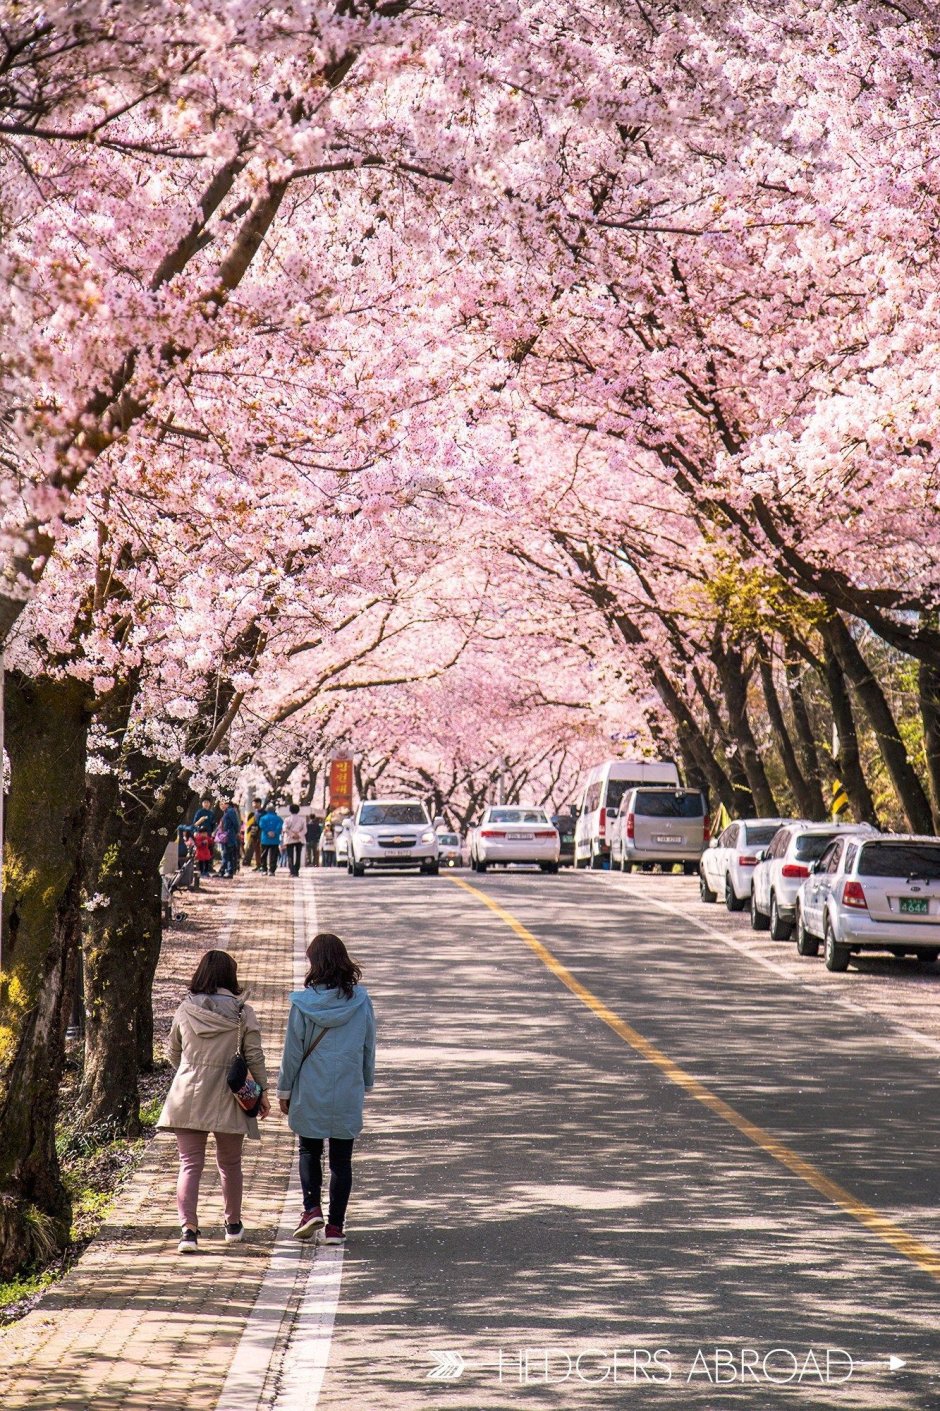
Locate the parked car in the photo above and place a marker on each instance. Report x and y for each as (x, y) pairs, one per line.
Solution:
(601, 797)
(785, 866)
(394, 833)
(880, 893)
(727, 866)
(662, 826)
(566, 823)
(449, 852)
(514, 833)
(341, 841)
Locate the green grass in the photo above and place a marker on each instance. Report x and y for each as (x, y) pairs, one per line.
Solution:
(25, 1286)
(150, 1111)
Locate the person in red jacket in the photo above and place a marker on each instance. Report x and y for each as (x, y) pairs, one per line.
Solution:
(203, 851)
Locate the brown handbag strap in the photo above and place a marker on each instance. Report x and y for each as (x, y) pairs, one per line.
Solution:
(311, 1047)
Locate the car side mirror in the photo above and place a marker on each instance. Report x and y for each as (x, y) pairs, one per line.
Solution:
(761, 854)
(814, 867)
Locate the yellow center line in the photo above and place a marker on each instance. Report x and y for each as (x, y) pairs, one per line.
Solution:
(914, 1249)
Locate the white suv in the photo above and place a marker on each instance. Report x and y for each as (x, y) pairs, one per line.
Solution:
(784, 867)
(392, 833)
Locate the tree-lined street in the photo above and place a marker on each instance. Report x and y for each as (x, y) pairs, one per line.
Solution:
(529, 1181)
(411, 412)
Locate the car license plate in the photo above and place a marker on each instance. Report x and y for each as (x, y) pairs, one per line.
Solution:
(666, 838)
(915, 906)
(524, 837)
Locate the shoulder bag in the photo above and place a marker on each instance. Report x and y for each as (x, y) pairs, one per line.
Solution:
(246, 1091)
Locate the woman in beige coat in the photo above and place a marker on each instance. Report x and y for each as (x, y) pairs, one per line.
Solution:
(203, 1041)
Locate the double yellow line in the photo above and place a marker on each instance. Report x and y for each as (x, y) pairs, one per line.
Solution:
(913, 1249)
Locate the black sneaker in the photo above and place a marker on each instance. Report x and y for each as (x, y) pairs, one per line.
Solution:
(234, 1233)
(189, 1244)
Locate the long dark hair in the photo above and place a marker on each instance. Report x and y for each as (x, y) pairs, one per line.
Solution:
(216, 971)
(330, 964)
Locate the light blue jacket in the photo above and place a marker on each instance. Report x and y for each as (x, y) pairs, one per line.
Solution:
(271, 825)
(327, 1089)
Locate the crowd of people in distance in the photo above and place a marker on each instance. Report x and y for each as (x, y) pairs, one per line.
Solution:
(218, 841)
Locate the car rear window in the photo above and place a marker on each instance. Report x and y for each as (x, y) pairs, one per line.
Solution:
(811, 846)
(759, 833)
(518, 815)
(374, 815)
(900, 860)
(616, 788)
(650, 805)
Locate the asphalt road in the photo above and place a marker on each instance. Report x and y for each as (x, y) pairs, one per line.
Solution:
(534, 1187)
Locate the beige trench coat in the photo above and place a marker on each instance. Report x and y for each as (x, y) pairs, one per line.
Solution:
(201, 1047)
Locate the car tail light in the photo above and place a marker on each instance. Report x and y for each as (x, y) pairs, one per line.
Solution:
(601, 822)
(707, 828)
(794, 869)
(545, 833)
(631, 827)
(744, 861)
(853, 894)
(492, 833)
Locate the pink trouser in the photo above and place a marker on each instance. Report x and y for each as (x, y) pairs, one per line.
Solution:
(228, 1158)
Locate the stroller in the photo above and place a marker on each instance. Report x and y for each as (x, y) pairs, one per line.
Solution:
(170, 884)
(175, 874)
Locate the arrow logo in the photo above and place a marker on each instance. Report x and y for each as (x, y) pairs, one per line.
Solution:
(896, 1363)
(448, 1367)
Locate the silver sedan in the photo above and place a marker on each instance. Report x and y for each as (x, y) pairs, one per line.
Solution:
(877, 893)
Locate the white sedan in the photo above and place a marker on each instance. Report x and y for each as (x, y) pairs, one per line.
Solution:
(514, 833)
(726, 867)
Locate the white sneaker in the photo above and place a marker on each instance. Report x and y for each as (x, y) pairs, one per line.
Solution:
(189, 1244)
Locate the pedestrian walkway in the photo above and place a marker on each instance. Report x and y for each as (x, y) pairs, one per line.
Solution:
(133, 1326)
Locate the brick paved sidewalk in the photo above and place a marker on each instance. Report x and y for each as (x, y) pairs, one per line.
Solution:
(133, 1325)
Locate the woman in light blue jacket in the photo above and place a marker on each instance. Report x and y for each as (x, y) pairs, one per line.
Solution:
(327, 1068)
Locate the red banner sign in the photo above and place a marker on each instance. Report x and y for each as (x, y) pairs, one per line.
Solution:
(341, 785)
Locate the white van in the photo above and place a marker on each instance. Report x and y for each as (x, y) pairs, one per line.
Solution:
(600, 799)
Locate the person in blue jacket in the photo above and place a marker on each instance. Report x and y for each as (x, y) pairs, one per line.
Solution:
(327, 1068)
(270, 825)
(230, 825)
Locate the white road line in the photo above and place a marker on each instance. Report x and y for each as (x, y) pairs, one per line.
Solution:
(308, 1350)
(915, 1035)
(305, 1341)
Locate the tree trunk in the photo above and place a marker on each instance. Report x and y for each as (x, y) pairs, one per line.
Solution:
(805, 741)
(123, 937)
(46, 732)
(730, 667)
(928, 685)
(741, 796)
(806, 805)
(848, 759)
(907, 785)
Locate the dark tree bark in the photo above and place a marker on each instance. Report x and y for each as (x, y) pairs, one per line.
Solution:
(130, 825)
(730, 665)
(848, 760)
(741, 789)
(805, 739)
(46, 733)
(928, 686)
(807, 805)
(907, 785)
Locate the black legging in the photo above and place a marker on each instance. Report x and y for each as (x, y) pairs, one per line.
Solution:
(311, 1175)
(269, 857)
